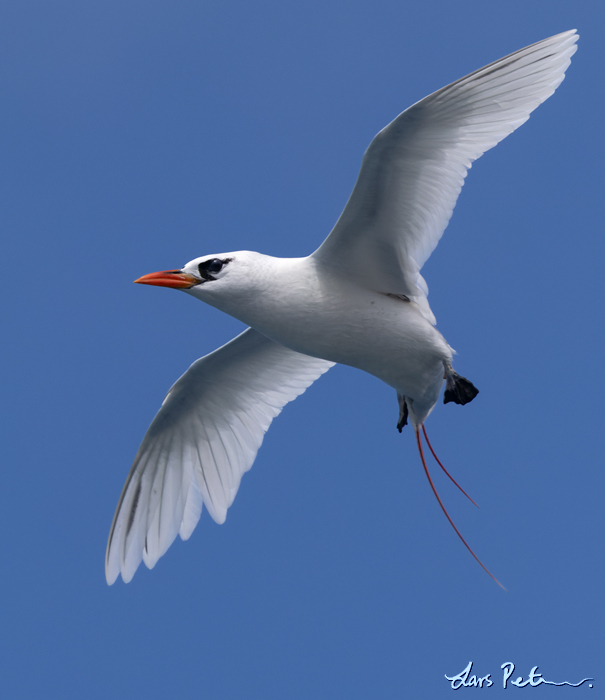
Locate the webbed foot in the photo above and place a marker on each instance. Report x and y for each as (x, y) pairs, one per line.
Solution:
(458, 389)
(403, 412)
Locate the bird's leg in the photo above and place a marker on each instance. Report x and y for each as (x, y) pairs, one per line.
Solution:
(457, 389)
(403, 412)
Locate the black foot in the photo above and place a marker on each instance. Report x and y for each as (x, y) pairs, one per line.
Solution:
(403, 413)
(458, 389)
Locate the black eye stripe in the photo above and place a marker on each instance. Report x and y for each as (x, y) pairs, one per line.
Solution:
(212, 266)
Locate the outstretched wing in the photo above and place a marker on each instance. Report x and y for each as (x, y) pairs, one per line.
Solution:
(204, 437)
(413, 171)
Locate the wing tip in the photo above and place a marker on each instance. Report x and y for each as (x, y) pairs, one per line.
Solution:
(111, 571)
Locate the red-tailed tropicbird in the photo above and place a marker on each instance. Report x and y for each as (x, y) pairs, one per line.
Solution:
(359, 299)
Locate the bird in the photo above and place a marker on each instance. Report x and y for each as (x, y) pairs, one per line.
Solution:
(358, 300)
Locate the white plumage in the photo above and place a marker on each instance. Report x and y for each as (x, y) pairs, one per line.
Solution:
(203, 439)
(359, 300)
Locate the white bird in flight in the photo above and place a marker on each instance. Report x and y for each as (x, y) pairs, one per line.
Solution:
(359, 299)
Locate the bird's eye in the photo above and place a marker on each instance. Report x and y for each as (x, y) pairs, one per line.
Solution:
(212, 266)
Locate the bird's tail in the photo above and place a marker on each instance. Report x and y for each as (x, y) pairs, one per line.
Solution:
(428, 476)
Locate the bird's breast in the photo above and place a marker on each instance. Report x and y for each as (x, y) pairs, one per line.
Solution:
(383, 335)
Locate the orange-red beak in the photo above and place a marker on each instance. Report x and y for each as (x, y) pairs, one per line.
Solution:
(177, 279)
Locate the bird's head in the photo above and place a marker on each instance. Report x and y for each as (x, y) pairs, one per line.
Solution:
(198, 272)
(220, 280)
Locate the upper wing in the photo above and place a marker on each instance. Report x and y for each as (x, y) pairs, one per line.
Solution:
(413, 171)
(204, 437)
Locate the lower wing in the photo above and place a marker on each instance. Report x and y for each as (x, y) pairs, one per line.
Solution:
(203, 439)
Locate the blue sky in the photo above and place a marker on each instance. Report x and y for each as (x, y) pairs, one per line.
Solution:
(139, 135)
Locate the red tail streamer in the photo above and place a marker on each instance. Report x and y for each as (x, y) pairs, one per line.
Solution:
(426, 437)
(428, 476)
